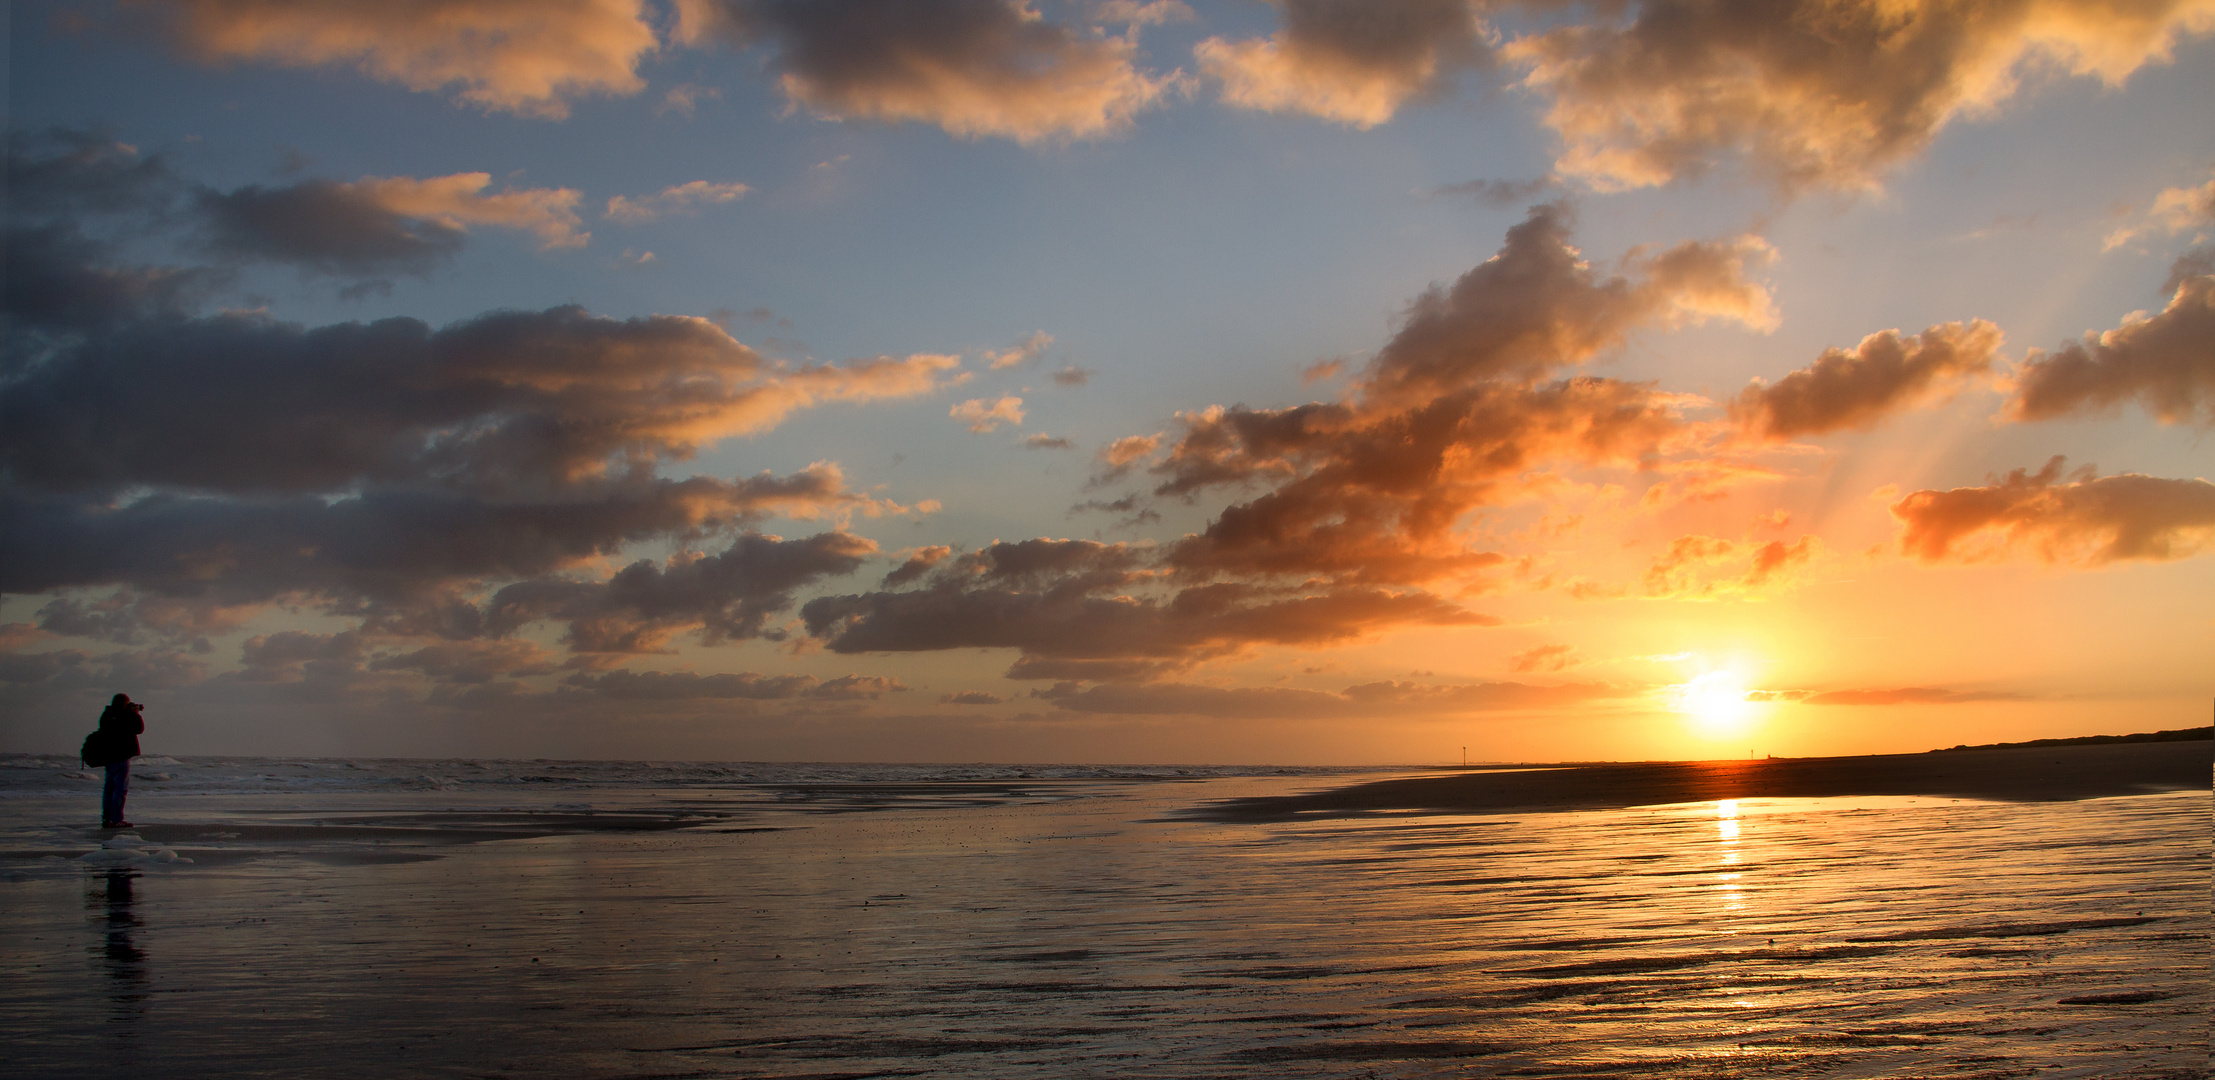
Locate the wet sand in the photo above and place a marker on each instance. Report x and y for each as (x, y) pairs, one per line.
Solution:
(1065, 929)
(2025, 774)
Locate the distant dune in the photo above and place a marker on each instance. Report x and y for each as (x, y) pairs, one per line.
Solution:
(2013, 774)
(2177, 735)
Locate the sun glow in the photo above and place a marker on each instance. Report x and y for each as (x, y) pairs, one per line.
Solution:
(1716, 701)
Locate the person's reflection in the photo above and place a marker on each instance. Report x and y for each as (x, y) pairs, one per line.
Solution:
(126, 964)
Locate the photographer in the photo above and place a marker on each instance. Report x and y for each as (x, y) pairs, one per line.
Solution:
(120, 725)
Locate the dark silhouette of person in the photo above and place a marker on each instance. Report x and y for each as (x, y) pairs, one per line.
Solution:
(120, 724)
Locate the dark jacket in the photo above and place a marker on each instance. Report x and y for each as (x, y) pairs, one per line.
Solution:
(121, 724)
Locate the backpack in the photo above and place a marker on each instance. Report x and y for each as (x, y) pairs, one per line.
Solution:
(98, 751)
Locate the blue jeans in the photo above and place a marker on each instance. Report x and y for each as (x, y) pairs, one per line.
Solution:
(111, 796)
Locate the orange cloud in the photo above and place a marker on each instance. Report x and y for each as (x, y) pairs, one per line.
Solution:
(976, 68)
(2087, 520)
(2165, 362)
(675, 199)
(1906, 695)
(1815, 93)
(1858, 387)
(2174, 210)
(1025, 351)
(983, 416)
(1450, 414)
(1542, 658)
(1706, 568)
(531, 57)
(457, 203)
(1350, 61)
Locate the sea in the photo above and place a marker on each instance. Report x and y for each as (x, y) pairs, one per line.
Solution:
(374, 918)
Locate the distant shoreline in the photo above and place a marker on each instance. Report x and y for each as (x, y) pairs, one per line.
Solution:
(2175, 735)
(2041, 773)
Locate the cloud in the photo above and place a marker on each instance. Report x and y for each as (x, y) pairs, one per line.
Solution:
(2164, 362)
(71, 172)
(1072, 376)
(1705, 568)
(1815, 93)
(62, 179)
(1048, 442)
(675, 199)
(1355, 702)
(918, 563)
(684, 98)
(1024, 352)
(1502, 193)
(1856, 388)
(243, 403)
(723, 596)
(1906, 695)
(1542, 658)
(984, 416)
(687, 685)
(1354, 62)
(195, 467)
(470, 662)
(1127, 451)
(2087, 520)
(2175, 210)
(1078, 600)
(1141, 12)
(456, 202)
(1536, 307)
(1462, 401)
(531, 57)
(378, 224)
(976, 68)
(970, 697)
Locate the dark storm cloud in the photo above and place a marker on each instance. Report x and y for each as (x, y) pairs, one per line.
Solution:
(2086, 519)
(2165, 363)
(975, 68)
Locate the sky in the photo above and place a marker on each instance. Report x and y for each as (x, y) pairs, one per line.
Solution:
(1301, 382)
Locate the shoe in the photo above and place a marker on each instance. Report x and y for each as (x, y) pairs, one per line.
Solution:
(115, 824)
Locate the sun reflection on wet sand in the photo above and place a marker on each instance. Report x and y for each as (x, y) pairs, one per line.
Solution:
(1726, 831)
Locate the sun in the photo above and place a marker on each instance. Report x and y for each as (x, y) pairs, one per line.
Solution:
(1716, 700)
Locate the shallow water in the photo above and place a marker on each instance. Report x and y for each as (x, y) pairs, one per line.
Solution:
(989, 924)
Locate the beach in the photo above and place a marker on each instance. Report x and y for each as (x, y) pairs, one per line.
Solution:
(347, 919)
